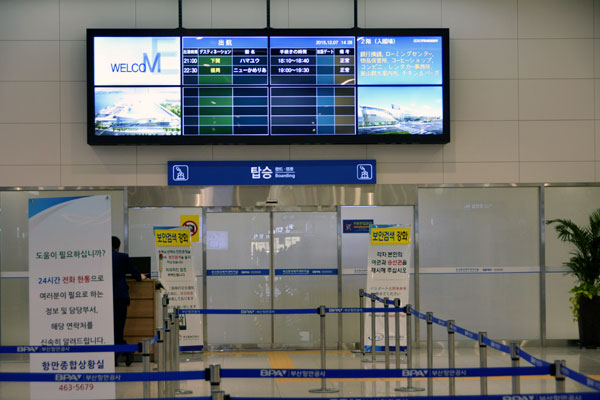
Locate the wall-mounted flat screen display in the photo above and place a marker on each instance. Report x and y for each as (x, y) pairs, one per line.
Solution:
(268, 86)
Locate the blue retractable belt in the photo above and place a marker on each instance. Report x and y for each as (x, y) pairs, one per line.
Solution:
(68, 377)
(119, 348)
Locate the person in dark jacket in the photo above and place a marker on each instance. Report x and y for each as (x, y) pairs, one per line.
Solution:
(121, 266)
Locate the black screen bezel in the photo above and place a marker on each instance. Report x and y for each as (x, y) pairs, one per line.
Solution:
(443, 138)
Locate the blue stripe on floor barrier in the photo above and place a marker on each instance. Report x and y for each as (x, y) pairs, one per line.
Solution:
(120, 348)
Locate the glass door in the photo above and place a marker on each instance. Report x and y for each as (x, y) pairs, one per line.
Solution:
(238, 276)
(305, 263)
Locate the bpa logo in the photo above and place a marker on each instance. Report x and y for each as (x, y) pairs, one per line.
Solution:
(180, 173)
(364, 172)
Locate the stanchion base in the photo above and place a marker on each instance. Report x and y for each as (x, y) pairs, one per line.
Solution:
(323, 390)
(357, 352)
(409, 389)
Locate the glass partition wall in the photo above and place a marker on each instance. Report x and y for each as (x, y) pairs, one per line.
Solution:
(483, 255)
(479, 258)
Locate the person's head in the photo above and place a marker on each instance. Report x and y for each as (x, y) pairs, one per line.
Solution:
(116, 243)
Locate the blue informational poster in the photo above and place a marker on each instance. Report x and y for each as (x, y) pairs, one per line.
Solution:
(70, 292)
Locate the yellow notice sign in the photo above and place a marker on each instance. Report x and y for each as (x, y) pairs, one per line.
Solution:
(172, 237)
(192, 222)
(391, 235)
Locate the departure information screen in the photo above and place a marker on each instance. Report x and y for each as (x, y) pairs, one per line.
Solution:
(267, 86)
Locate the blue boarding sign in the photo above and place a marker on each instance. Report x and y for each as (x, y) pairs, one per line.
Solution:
(301, 172)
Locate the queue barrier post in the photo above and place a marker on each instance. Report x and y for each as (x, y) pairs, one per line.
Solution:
(171, 366)
(175, 348)
(146, 366)
(165, 306)
(397, 304)
(558, 376)
(386, 329)
(514, 357)
(373, 330)
(323, 389)
(409, 387)
(217, 395)
(429, 321)
(169, 346)
(408, 346)
(482, 362)
(361, 322)
(213, 375)
(160, 353)
(165, 355)
(165, 346)
(166, 349)
(451, 357)
(176, 340)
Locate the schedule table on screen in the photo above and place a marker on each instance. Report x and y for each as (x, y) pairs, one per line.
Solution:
(225, 111)
(312, 110)
(312, 60)
(225, 61)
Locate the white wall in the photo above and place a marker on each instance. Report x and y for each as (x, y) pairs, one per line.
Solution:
(524, 108)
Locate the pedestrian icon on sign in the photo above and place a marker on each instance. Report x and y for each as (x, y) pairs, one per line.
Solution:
(180, 173)
(364, 172)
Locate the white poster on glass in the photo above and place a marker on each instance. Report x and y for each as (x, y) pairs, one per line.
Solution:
(388, 274)
(70, 293)
(356, 221)
(177, 274)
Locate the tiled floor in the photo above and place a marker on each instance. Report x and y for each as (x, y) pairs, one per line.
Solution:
(586, 361)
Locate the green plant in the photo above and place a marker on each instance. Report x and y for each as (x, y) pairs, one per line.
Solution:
(584, 263)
